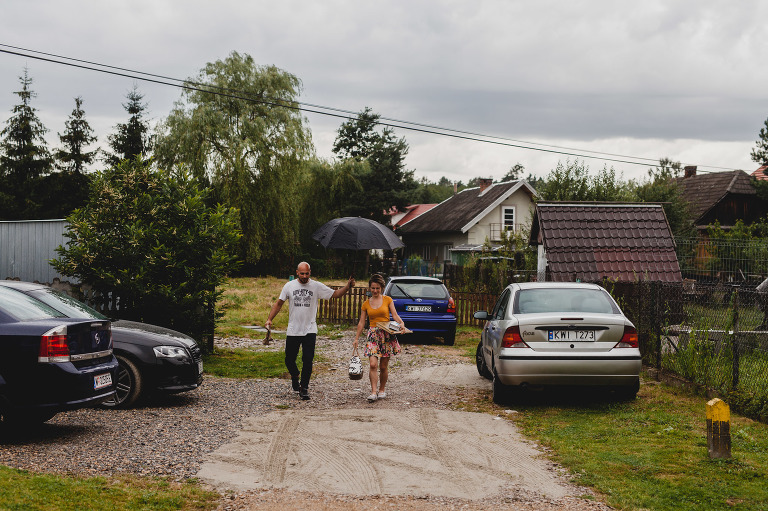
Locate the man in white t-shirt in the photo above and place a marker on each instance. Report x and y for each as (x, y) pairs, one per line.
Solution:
(302, 295)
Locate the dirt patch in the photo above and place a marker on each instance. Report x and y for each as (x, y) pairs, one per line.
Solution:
(419, 452)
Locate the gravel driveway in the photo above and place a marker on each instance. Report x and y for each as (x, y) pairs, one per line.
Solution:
(174, 435)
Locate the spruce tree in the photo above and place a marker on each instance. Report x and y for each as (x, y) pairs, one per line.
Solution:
(78, 135)
(24, 156)
(132, 138)
(760, 152)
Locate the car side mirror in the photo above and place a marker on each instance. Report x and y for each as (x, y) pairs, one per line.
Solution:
(480, 315)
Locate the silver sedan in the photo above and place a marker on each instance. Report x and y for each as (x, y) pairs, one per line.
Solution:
(553, 333)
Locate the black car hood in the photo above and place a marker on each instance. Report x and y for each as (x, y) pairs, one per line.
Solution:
(146, 334)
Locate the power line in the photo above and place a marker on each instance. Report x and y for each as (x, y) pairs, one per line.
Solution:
(328, 111)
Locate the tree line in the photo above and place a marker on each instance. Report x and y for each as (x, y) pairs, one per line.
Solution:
(238, 132)
(230, 180)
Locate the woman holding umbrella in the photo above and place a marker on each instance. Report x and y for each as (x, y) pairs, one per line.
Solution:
(380, 345)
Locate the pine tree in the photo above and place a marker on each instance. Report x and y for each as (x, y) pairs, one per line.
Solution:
(133, 138)
(760, 152)
(78, 135)
(24, 155)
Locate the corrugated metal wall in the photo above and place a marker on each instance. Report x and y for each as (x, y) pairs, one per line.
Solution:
(27, 246)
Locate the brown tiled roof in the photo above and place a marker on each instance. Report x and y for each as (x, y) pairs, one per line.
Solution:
(589, 241)
(412, 212)
(759, 174)
(457, 211)
(704, 191)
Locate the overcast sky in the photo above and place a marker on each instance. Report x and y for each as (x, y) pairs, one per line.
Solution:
(679, 79)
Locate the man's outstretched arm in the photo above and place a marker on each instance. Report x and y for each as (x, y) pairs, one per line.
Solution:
(342, 290)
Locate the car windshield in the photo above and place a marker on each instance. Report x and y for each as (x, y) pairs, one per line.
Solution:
(66, 304)
(530, 301)
(418, 289)
(25, 308)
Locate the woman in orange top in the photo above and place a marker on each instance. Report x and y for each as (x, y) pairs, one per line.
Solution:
(380, 345)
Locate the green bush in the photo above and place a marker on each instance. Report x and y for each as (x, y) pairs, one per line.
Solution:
(151, 247)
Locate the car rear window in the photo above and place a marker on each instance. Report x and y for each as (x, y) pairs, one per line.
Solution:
(23, 307)
(531, 301)
(419, 289)
(66, 304)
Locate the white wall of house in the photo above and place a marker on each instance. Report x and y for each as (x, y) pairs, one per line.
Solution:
(488, 227)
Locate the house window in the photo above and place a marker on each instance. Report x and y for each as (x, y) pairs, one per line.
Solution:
(508, 218)
(447, 252)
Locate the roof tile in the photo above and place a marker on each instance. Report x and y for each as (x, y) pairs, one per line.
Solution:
(590, 241)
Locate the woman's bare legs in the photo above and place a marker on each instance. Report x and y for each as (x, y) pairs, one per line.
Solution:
(373, 373)
(384, 373)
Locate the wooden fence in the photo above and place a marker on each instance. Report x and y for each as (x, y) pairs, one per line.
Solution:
(345, 310)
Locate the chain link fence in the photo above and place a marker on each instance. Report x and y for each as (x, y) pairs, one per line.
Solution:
(711, 329)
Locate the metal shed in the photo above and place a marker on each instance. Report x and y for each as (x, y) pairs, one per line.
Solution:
(26, 246)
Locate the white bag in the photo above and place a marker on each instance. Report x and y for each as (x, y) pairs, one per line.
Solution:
(355, 367)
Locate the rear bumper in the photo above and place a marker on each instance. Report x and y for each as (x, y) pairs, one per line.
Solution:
(62, 386)
(436, 325)
(595, 369)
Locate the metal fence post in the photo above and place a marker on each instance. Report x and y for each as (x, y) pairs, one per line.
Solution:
(735, 340)
(656, 325)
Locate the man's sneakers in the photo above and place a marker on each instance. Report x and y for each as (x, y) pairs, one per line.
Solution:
(297, 388)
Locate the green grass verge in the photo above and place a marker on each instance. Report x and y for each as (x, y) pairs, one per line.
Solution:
(243, 363)
(247, 363)
(652, 453)
(20, 489)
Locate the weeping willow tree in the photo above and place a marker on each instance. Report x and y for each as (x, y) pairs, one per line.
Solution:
(237, 126)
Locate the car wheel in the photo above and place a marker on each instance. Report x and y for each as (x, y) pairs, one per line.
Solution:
(129, 385)
(500, 391)
(449, 339)
(482, 368)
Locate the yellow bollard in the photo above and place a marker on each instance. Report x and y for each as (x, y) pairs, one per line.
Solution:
(718, 429)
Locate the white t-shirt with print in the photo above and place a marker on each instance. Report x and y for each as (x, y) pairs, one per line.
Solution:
(302, 305)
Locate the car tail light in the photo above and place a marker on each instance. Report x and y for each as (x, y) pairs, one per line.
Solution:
(512, 338)
(54, 345)
(451, 306)
(629, 339)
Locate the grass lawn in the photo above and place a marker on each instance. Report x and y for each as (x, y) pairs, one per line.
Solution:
(652, 453)
(29, 491)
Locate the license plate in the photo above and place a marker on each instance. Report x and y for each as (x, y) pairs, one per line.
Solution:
(200, 367)
(102, 380)
(418, 308)
(571, 335)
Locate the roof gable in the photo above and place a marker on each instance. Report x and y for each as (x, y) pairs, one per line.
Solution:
(703, 192)
(461, 211)
(590, 241)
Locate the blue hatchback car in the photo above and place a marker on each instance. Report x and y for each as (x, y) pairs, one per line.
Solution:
(425, 305)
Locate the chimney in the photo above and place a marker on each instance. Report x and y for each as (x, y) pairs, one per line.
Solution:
(484, 183)
(455, 187)
(690, 171)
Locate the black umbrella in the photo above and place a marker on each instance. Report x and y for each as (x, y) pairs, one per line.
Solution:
(355, 233)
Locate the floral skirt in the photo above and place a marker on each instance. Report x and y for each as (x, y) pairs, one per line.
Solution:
(380, 343)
